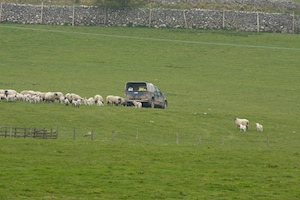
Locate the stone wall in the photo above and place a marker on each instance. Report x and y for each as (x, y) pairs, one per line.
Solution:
(195, 18)
(287, 4)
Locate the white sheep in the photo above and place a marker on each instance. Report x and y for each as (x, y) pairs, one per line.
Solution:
(90, 101)
(2, 96)
(242, 127)
(11, 97)
(77, 102)
(114, 100)
(51, 97)
(244, 122)
(66, 101)
(100, 103)
(98, 98)
(10, 92)
(72, 96)
(259, 127)
(60, 97)
(31, 92)
(137, 104)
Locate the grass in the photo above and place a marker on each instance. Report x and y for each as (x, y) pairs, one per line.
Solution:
(225, 74)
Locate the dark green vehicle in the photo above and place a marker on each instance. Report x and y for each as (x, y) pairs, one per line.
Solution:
(146, 93)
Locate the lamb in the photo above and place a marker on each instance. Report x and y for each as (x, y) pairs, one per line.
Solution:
(90, 101)
(66, 101)
(242, 127)
(137, 104)
(244, 122)
(77, 102)
(259, 127)
(100, 103)
(11, 97)
(114, 100)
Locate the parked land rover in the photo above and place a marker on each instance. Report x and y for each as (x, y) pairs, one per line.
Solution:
(146, 93)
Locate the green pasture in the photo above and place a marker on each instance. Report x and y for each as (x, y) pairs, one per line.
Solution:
(192, 150)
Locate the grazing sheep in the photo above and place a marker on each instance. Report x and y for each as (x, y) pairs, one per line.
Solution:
(66, 101)
(137, 104)
(2, 96)
(30, 92)
(88, 134)
(90, 101)
(11, 97)
(77, 102)
(244, 122)
(10, 92)
(259, 127)
(60, 97)
(51, 97)
(98, 98)
(242, 127)
(114, 100)
(72, 96)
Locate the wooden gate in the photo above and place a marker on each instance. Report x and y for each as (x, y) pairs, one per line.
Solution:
(17, 132)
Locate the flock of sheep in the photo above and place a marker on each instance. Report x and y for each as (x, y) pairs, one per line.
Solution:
(76, 100)
(243, 124)
(67, 99)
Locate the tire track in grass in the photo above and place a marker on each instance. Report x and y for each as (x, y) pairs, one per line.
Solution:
(156, 39)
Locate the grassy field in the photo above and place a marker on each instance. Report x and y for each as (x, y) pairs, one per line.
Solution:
(210, 77)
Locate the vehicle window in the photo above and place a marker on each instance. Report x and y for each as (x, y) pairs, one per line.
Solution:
(136, 86)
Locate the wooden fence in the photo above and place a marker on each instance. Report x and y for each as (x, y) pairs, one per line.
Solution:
(17, 132)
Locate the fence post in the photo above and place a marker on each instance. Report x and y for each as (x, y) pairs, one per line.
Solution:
(223, 22)
(105, 15)
(10, 132)
(16, 132)
(257, 21)
(73, 18)
(150, 13)
(42, 10)
(74, 134)
(92, 135)
(184, 17)
(0, 11)
(293, 21)
(112, 136)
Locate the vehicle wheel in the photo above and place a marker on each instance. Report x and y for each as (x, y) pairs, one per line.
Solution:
(152, 104)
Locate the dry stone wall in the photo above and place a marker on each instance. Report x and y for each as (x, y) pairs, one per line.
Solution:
(195, 18)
